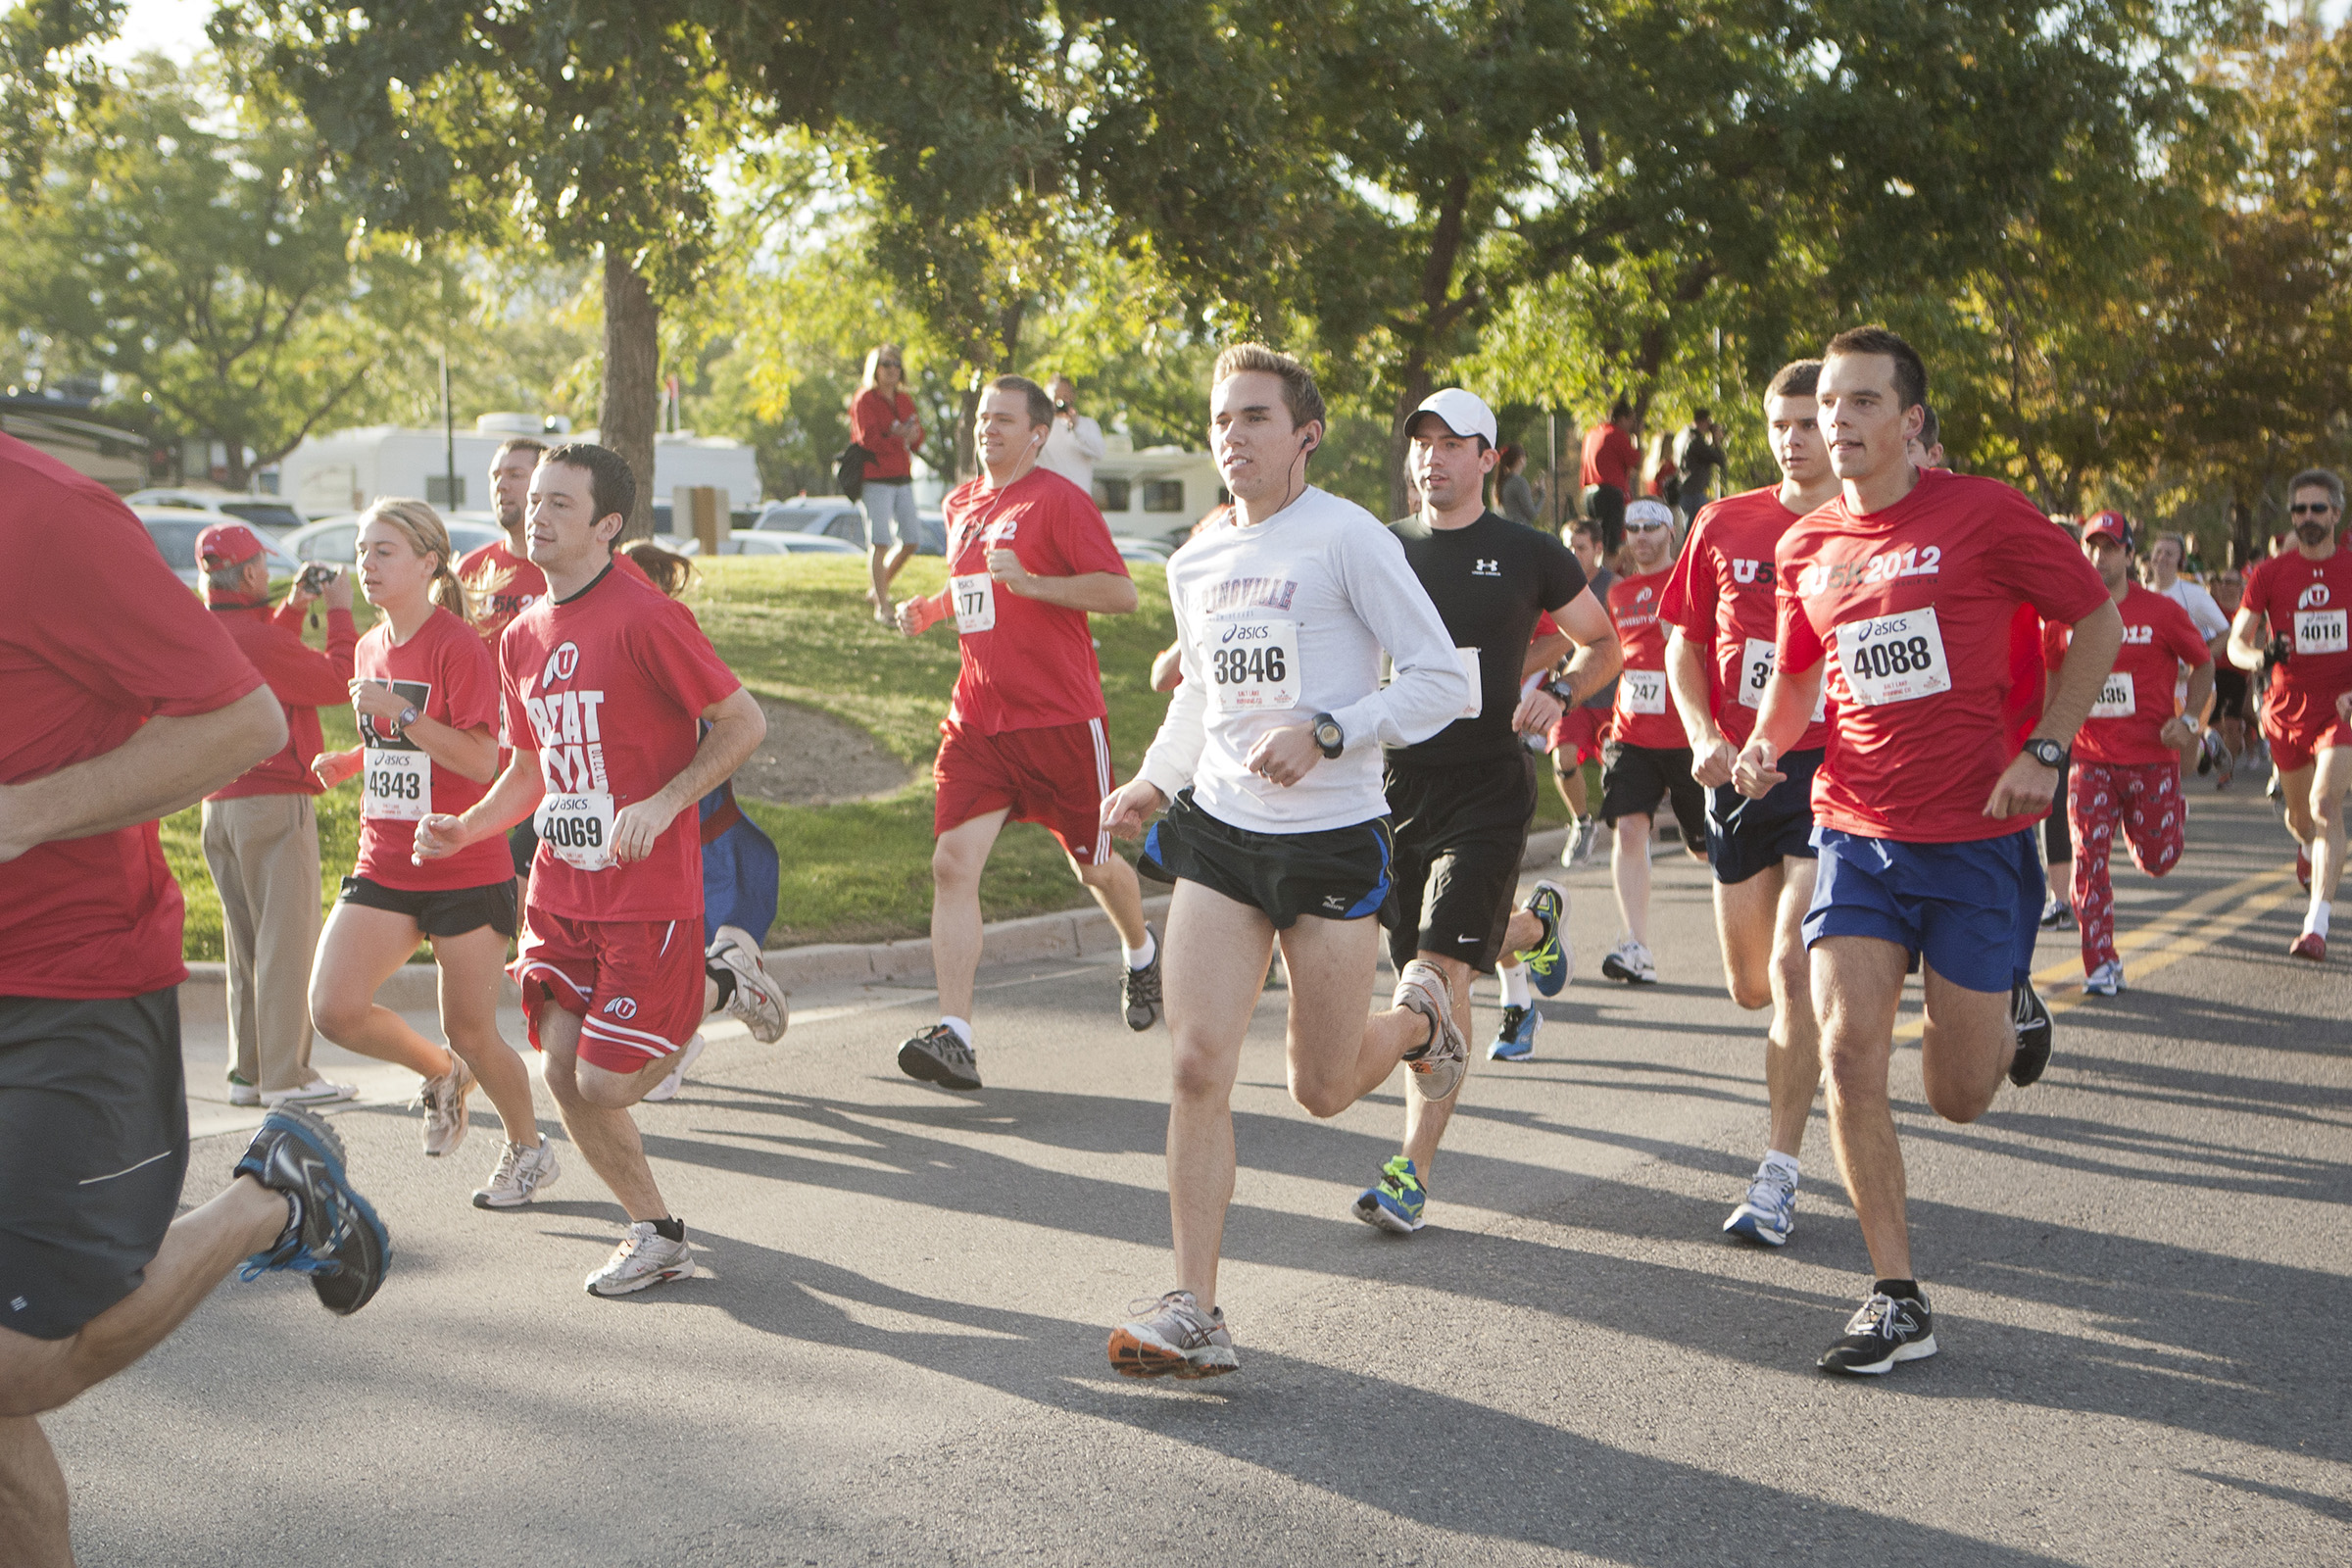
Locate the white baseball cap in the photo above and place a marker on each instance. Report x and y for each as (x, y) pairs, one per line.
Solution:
(1462, 412)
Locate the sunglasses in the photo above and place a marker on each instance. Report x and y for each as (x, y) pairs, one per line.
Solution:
(2315, 509)
(1645, 527)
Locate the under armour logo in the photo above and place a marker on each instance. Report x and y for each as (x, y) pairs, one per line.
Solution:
(1487, 569)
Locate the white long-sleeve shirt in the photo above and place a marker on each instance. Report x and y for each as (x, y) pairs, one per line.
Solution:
(1284, 619)
(1071, 448)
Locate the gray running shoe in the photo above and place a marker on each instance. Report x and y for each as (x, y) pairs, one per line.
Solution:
(521, 1173)
(1139, 990)
(643, 1257)
(1585, 841)
(668, 1087)
(333, 1233)
(1438, 1067)
(1172, 1338)
(443, 1101)
(939, 1056)
(757, 1000)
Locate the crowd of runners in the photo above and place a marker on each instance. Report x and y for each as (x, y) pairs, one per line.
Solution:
(1858, 692)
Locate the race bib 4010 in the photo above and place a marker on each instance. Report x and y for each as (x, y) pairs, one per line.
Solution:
(1893, 659)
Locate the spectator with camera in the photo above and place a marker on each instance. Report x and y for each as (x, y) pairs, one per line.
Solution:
(260, 831)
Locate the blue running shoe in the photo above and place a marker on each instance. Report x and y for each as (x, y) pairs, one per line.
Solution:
(332, 1235)
(1395, 1201)
(1549, 960)
(1515, 1040)
(1769, 1213)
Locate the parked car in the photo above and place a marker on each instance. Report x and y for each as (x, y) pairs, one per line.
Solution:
(840, 518)
(776, 544)
(265, 512)
(1131, 548)
(737, 518)
(336, 539)
(175, 529)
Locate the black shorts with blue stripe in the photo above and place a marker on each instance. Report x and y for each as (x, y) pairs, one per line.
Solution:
(1341, 873)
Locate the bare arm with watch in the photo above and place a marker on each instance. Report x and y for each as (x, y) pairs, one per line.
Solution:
(473, 753)
(2031, 780)
(1595, 662)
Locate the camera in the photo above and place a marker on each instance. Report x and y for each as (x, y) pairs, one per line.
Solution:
(316, 575)
(1061, 407)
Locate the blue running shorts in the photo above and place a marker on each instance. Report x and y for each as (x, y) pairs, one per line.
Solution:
(1971, 909)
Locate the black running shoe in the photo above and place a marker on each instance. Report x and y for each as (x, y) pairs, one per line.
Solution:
(1886, 1330)
(1139, 990)
(939, 1056)
(336, 1238)
(2033, 1020)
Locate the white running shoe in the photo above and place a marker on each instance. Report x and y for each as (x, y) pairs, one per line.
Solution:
(2106, 980)
(520, 1175)
(1631, 962)
(669, 1085)
(1587, 838)
(757, 1000)
(1438, 1070)
(643, 1257)
(318, 1091)
(443, 1101)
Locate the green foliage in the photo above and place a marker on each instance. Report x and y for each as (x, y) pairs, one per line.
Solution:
(49, 72)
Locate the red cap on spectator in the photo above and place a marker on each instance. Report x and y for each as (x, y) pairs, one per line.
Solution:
(226, 544)
(2112, 525)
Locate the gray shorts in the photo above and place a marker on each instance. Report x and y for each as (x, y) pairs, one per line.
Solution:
(888, 514)
(93, 1148)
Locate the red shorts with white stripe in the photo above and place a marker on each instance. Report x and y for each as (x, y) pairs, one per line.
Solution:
(1577, 734)
(636, 985)
(1055, 776)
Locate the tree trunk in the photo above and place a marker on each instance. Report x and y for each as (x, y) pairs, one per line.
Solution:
(628, 404)
(1412, 389)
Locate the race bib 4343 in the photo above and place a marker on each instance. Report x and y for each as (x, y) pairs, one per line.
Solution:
(397, 785)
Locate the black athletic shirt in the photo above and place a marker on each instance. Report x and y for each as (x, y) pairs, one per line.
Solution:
(1490, 583)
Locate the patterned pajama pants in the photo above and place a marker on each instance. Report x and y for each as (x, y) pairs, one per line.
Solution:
(2144, 798)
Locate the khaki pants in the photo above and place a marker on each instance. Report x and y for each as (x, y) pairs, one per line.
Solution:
(264, 852)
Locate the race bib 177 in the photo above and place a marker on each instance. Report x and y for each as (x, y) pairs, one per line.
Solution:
(1893, 659)
(975, 599)
(1252, 664)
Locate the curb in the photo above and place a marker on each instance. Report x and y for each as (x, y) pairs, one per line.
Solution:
(1065, 934)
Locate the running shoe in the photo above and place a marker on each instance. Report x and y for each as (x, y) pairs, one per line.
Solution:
(1139, 990)
(332, 1234)
(241, 1089)
(2032, 1019)
(443, 1101)
(1631, 962)
(2057, 915)
(1515, 1040)
(2271, 791)
(1768, 1214)
(318, 1091)
(1552, 961)
(1438, 1067)
(2106, 980)
(1393, 1202)
(2209, 752)
(2303, 868)
(2310, 944)
(520, 1175)
(668, 1087)
(1587, 840)
(645, 1256)
(939, 1056)
(756, 999)
(1172, 1338)
(1886, 1330)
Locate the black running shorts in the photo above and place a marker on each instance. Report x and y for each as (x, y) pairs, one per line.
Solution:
(2229, 693)
(1634, 779)
(1745, 837)
(1459, 834)
(93, 1148)
(1337, 874)
(442, 913)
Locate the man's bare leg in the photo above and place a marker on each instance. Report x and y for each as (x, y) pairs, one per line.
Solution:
(1213, 968)
(1115, 888)
(594, 1103)
(1793, 1047)
(956, 860)
(1966, 1046)
(1571, 782)
(2331, 774)
(898, 556)
(1629, 870)
(2294, 793)
(1858, 985)
(1746, 928)
(1425, 1119)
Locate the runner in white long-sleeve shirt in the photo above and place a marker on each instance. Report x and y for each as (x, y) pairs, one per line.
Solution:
(1268, 766)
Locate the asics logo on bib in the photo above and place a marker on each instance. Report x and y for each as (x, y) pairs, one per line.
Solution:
(561, 664)
(1487, 569)
(1920, 560)
(571, 756)
(2312, 597)
(622, 1007)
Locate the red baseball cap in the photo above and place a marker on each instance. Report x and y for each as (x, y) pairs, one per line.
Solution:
(2113, 525)
(226, 544)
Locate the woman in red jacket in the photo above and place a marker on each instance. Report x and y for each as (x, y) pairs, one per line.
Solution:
(426, 699)
(882, 419)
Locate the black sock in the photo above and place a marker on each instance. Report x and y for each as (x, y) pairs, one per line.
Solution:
(672, 1229)
(1901, 1289)
(725, 978)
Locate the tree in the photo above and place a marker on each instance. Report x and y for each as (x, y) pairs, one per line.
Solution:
(49, 71)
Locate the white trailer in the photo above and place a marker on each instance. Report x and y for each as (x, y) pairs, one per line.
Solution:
(345, 471)
(1160, 492)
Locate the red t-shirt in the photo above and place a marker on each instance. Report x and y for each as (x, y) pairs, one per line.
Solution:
(1608, 456)
(2135, 701)
(96, 637)
(872, 415)
(446, 674)
(1720, 595)
(611, 685)
(1645, 713)
(1915, 606)
(1026, 664)
(498, 586)
(304, 679)
(2308, 601)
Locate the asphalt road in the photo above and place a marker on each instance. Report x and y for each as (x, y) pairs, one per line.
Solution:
(896, 1355)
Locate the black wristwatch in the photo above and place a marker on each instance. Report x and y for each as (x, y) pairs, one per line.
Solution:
(2049, 753)
(1559, 690)
(1330, 739)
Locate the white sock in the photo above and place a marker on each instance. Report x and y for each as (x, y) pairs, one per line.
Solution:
(1774, 1157)
(1138, 958)
(963, 1028)
(1514, 984)
(2315, 923)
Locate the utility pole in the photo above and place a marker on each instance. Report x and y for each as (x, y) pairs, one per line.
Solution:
(449, 440)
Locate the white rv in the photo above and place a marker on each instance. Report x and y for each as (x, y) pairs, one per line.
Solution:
(345, 471)
(1157, 493)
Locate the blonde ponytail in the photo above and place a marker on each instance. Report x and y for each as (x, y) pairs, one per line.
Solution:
(422, 527)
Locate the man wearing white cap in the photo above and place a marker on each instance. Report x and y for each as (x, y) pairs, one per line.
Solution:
(1460, 802)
